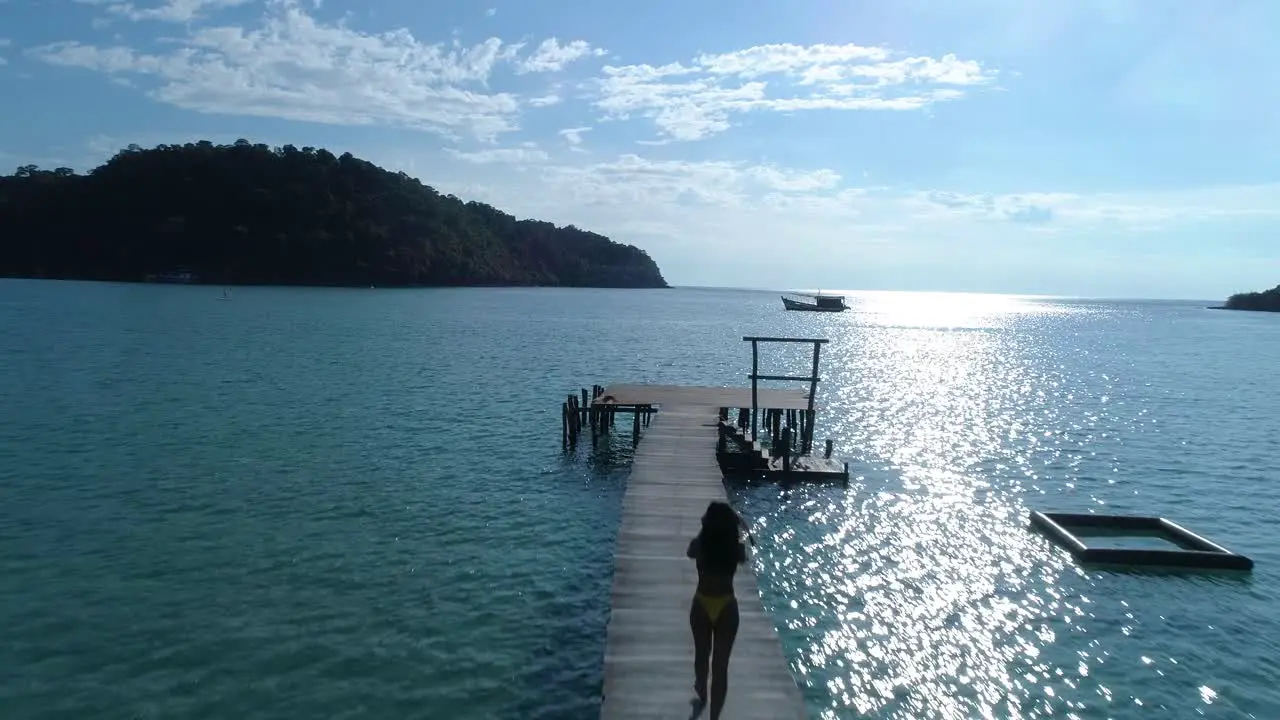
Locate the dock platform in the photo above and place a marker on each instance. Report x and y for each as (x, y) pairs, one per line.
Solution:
(648, 665)
(699, 396)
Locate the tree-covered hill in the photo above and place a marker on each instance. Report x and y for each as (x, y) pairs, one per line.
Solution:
(1268, 300)
(250, 214)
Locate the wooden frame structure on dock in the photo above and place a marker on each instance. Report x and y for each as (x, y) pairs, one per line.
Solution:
(806, 439)
(784, 454)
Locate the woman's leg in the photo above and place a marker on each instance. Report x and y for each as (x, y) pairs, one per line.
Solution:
(700, 624)
(723, 635)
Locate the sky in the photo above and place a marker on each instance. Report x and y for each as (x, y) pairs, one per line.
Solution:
(1096, 148)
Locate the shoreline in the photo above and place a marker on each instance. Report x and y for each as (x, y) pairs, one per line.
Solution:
(1260, 310)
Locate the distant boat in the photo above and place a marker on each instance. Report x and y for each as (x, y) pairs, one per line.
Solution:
(820, 303)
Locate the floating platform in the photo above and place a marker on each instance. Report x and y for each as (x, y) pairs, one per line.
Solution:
(1193, 551)
(750, 459)
(808, 467)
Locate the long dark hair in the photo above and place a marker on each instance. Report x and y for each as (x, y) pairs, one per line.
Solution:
(721, 548)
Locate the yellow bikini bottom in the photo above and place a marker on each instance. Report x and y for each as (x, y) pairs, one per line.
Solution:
(713, 605)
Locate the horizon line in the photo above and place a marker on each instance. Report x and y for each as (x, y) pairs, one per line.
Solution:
(1033, 296)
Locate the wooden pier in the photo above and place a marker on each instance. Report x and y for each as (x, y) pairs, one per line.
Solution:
(691, 446)
(648, 665)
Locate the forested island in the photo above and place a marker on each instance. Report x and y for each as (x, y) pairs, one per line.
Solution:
(251, 214)
(1267, 301)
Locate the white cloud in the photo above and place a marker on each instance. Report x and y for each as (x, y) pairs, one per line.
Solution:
(4, 43)
(293, 66)
(693, 101)
(545, 100)
(631, 178)
(181, 11)
(1131, 211)
(573, 136)
(632, 191)
(551, 56)
(491, 12)
(521, 155)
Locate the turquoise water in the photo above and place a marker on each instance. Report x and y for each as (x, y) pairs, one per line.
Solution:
(352, 503)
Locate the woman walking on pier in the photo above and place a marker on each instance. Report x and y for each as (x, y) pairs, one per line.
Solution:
(713, 616)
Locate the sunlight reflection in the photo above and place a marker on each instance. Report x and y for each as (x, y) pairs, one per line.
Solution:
(965, 311)
(920, 592)
(927, 597)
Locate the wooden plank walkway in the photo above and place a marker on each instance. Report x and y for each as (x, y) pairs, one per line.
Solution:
(648, 663)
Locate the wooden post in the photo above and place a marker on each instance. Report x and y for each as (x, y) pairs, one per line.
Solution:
(593, 417)
(826, 453)
(786, 449)
(755, 370)
(813, 377)
(635, 426)
(573, 418)
(564, 424)
(807, 442)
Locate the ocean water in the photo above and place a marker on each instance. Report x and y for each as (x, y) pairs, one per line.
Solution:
(337, 503)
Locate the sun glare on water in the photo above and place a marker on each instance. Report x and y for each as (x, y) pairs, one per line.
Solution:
(956, 311)
(920, 591)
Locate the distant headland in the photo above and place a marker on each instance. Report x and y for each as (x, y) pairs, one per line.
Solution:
(254, 215)
(1265, 301)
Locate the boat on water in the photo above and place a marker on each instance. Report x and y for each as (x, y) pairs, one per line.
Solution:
(816, 303)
